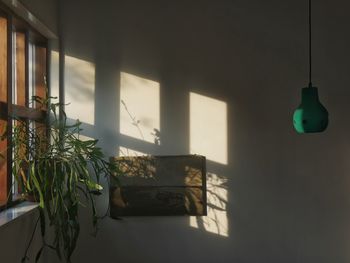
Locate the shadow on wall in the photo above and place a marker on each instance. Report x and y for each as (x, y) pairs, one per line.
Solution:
(139, 104)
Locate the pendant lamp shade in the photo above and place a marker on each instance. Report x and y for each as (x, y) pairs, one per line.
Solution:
(311, 116)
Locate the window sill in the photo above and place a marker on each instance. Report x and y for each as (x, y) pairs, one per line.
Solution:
(15, 212)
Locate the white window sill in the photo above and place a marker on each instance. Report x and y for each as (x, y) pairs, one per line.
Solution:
(15, 212)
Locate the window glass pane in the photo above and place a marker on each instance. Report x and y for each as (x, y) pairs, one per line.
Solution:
(40, 72)
(40, 139)
(37, 73)
(54, 71)
(31, 75)
(20, 144)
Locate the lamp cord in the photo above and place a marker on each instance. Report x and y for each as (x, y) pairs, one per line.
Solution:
(310, 58)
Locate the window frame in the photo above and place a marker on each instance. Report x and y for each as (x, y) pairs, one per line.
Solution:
(8, 109)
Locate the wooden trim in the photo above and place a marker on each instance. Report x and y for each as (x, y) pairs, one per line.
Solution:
(3, 109)
(9, 100)
(26, 68)
(21, 81)
(3, 165)
(27, 113)
(3, 59)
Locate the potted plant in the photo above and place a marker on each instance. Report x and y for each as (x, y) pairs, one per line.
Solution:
(54, 167)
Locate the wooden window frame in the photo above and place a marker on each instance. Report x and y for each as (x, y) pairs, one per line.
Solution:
(8, 109)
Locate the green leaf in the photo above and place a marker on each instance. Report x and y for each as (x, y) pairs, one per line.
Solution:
(57, 169)
(37, 187)
(92, 185)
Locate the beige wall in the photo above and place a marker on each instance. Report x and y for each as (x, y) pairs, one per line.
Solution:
(46, 11)
(15, 236)
(284, 197)
(287, 194)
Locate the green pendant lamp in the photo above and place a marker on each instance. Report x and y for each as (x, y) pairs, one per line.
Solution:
(311, 116)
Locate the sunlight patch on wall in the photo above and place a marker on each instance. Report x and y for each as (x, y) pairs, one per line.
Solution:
(54, 73)
(208, 127)
(139, 108)
(123, 151)
(216, 221)
(80, 89)
(83, 138)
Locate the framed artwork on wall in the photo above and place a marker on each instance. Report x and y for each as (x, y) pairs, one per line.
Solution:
(160, 186)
